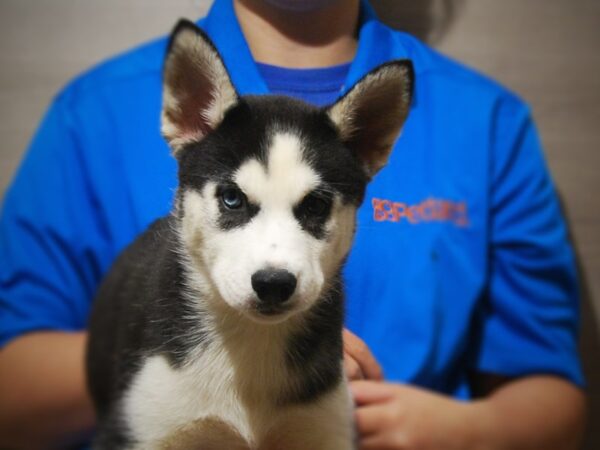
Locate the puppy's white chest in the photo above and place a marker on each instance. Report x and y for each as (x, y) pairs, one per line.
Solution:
(163, 399)
(166, 405)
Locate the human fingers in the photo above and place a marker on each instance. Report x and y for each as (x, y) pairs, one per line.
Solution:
(352, 368)
(370, 419)
(383, 441)
(366, 392)
(356, 348)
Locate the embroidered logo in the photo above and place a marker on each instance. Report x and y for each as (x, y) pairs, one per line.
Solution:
(429, 210)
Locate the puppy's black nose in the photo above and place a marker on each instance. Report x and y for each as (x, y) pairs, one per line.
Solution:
(273, 286)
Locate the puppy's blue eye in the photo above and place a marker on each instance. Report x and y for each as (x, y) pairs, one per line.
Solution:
(232, 198)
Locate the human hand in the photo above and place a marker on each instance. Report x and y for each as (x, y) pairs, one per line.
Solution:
(399, 417)
(359, 362)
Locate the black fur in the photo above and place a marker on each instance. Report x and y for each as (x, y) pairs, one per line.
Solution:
(139, 311)
(316, 352)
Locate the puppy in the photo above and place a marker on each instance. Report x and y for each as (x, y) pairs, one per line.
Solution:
(220, 327)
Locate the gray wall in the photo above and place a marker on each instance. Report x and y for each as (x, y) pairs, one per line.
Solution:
(546, 50)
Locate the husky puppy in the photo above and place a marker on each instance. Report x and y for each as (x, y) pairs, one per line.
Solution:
(220, 327)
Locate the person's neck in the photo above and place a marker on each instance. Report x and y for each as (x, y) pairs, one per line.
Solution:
(321, 38)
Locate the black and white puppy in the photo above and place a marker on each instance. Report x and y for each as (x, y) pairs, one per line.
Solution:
(220, 327)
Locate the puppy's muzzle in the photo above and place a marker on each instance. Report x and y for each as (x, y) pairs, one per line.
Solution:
(273, 288)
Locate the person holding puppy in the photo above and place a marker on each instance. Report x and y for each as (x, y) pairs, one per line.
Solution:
(467, 335)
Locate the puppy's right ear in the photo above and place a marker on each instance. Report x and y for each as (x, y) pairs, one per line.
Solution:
(197, 90)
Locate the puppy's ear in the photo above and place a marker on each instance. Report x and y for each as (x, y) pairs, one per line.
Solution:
(197, 90)
(370, 116)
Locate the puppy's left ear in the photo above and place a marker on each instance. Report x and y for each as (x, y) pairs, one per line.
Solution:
(197, 90)
(370, 116)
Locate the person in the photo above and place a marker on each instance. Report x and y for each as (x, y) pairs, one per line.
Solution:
(461, 283)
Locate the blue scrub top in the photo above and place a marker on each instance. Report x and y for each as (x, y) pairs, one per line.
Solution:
(461, 260)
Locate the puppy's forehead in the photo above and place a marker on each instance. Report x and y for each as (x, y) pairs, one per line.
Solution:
(285, 179)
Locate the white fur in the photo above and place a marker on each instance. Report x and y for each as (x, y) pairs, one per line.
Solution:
(163, 400)
(286, 180)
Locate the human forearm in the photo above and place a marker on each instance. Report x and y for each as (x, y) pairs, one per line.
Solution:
(44, 401)
(538, 412)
